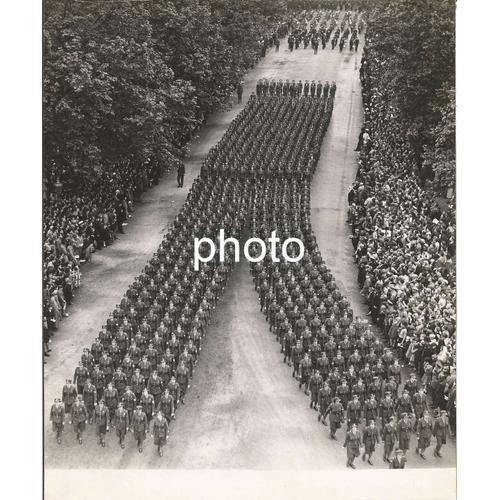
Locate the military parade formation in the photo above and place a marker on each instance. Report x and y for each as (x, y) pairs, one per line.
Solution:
(255, 180)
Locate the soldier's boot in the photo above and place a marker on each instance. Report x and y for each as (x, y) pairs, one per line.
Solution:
(370, 459)
(311, 404)
(364, 457)
(323, 420)
(140, 446)
(122, 445)
(319, 417)
(58, 438)
(160, 451)
(284, 359)
(103, 443)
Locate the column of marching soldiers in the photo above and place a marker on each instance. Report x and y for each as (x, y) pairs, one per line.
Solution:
(326, 27)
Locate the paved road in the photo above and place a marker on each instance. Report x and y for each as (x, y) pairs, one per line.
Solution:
(244, 410)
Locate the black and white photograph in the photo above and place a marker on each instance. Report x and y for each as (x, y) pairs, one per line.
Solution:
(248, 246)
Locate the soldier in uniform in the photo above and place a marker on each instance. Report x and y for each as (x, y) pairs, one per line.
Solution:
(314, 387)
(69, 395)
(371, 438)
(419, 401)
(166, 405)
(424, 433)
(404, 404)
(175, 391)
(404, 432)
(155, 386)
(119, 381)
(122, 423)
(111, 401)
(148, 405)
(305, 367)
(160, 431)
(354, 411)
(352, 443)
(411, 385)
(79, 417)
(389, 437)
(324, 396)
(336, 412)
(343, 392)
(137, 384)
(297, 351)
(57, 416)
(99, 381)
(89, 398)
(101, 422)
(80, 376)
(440, 431)
(129, 401)
(182, 375)
(371, 409)
(139, 426)
(386, 408)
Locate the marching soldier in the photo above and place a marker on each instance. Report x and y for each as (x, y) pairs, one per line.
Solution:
(80, 376)
(404, 432)
(89, 398)
(111, 401)
(175, 391)
(371, 409)
(101, 422)
(155, 386)
(419, 404)
(324, 396)
(79, 417)
(166, 405)
(389, 437)
(182, 374)
(99, 381)
(129, 401)
(353, 443)
(370, 440)
(137, 384)
(343, 391)
(148, 405)
(139, 426)
(336, 412)
(57, 416)
(404, 404)
(440, 431)
(354, 411)
(122, 423)
(119, 381)
(411, 385)
(69, 395)
(314, 387)
(160, 432)
(305, 367)
(386, 408)
(424, 433)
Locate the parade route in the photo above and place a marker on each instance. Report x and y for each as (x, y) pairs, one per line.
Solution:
(244, 410)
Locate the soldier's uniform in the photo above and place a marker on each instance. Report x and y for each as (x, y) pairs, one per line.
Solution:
(315, 384)
(182, 376)
(353, 412)
(155, 387)
(167, 406)
(80, 376)
(336, 412)
(325, 397)
(440, 431)
(404, 434)
(111, 401)
(78, 418)
(122, 423)
(90, 399)
(424, 434)
(101, 422)
(370, 439)
(305, 367)
(137, 385)
(69, 395)
(352, 444)
(389, 437)
(386, 410)
(57, 416)
(129, 401)
(160, 433)
(148, 406)
(139, 426)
